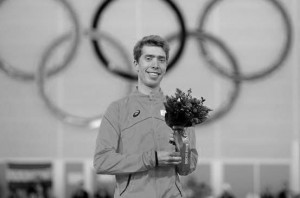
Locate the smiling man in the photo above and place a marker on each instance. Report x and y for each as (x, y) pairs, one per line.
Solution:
(133, 142)
(150, 63)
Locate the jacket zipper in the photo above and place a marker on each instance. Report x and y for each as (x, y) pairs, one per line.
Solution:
(154, 137)
(128, 181)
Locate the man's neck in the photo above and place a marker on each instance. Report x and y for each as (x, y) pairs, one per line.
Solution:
(147, 90)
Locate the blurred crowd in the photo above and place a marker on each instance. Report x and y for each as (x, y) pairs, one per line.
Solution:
(32, 190)
(192, 188)
(38, 190)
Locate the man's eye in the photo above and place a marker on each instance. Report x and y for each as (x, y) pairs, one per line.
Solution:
(162, 60)
(148, 58)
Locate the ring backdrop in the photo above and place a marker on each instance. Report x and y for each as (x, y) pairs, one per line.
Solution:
(98, 37)
(92, 122)
(269, 69)
(19, 74)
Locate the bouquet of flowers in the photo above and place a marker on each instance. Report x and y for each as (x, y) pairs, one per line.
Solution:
(184, 110)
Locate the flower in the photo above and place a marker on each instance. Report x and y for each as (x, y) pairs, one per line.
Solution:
(184, 110)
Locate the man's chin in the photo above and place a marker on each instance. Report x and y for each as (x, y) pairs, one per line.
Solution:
(153, 85)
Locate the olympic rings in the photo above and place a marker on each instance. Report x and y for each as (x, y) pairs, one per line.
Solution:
(270, 69)
(92, 122)
(29, 76)
(201, 37)
(126, 75)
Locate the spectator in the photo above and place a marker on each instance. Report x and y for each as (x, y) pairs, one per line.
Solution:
(267, 193)
(102, 193)
(285, 192)
(227, 192)
(80, 192)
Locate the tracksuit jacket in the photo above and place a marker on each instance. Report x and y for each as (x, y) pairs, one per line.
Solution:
(132, 129)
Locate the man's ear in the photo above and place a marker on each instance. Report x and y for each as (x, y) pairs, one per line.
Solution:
(136, 66)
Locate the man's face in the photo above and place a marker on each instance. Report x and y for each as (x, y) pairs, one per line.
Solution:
(151, 66)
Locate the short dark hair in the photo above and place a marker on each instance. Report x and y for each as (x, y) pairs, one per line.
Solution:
(151, 40)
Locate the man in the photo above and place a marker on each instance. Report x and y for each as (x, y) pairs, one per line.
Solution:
(134, 141)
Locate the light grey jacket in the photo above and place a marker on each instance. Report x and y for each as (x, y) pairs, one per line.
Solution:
(132, 129)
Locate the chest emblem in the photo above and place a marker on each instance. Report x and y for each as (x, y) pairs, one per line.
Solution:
(136, 113)
(163, 112)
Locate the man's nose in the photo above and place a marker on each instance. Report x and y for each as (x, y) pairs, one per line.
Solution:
(155, 63)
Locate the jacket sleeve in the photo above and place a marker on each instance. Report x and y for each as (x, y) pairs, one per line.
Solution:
(193, 150)
(107, 159)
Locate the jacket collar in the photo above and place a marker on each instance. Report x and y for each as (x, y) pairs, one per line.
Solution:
(153, 95)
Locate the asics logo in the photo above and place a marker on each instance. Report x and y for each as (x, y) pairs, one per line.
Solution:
(136, 113)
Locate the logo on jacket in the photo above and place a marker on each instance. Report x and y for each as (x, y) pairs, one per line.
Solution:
(136, 113)
(163, 112)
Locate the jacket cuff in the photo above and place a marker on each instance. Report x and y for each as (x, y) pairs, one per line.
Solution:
(149, 159)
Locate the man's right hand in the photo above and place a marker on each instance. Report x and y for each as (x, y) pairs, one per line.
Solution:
(166, 158)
